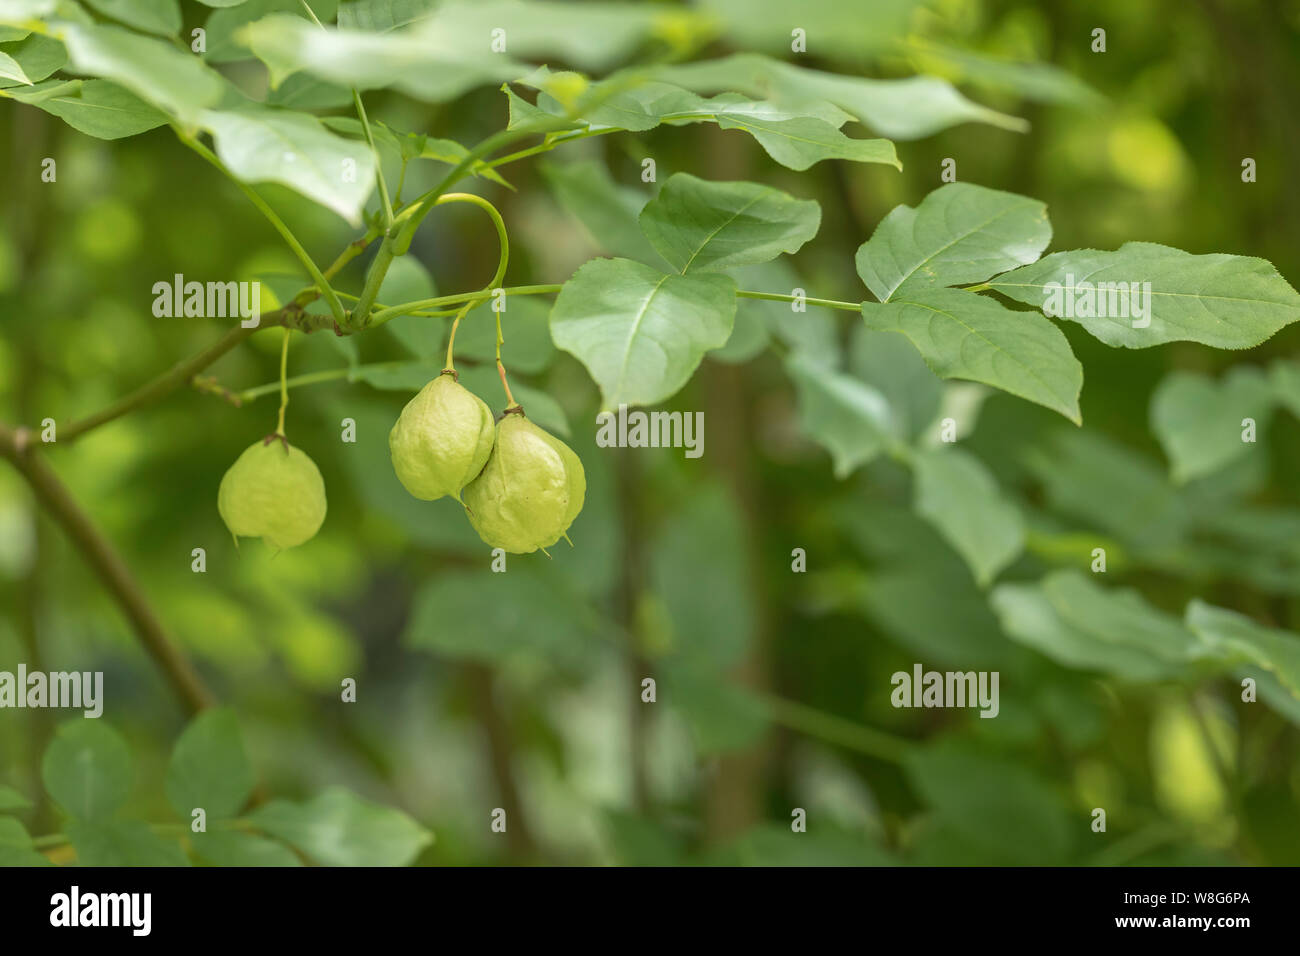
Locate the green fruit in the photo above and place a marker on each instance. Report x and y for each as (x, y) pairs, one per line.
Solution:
(273, 491)
(441, 440)
(530, 490)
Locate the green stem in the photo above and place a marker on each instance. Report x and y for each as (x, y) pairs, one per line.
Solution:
(379, 168)
(310, 378)
(836, 730)
(411, 308)
(284, 388)
(336, 308)
(824, 303)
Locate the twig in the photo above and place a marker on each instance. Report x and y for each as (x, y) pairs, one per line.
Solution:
(108, 565)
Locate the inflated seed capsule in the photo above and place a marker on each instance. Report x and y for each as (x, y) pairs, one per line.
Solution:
(530, 490)
(441, 440)
(273, 491)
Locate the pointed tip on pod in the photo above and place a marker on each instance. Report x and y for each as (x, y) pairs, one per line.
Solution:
(529, 492)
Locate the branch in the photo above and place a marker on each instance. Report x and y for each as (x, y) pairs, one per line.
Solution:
(108, 565)
(178, 375)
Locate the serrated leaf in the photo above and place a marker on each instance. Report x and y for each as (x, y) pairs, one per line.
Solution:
(97, 108)
(964, 335)
(958, 495)
(702, 226)
(959, 233)
(87, 769)
(1198, 421)
(910, 108)
(175, 82)
(209, 767)
(1225, 301)
(295, 150)
(800, 143)
(122, 843)
(639, 332)
(151, 16)
(338, 828)
(847, 417)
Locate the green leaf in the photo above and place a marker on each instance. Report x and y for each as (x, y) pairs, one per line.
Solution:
(1199, 421)
(1235, 635)
(847, 417)
(122, 843)
(481, 615)
(1225, 301)
(37, 56)
(959, 233)
(709, 620)
(408, 281)
(958, 495)
(641, 333)
(964, 335)
(538, 405)
(151, 16)
(175, 82)
(430, 66)
(295, 150)
(224, 24)
(606, 210)
(524, 326)
(97, 108)
(209, 767)
(889, 363)
(1002, 807)
(17, 11)
(701, 226)
(800, 143)
(11, 70)
(1092, 478)
(1039, 82)
(11, 800)
(1084, 626)
(380, 16)
(338, 828)
(16, 847)
(910, 108)
(234, 848)
(87, 769)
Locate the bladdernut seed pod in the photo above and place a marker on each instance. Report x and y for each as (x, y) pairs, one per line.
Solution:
(530, 490)
(442, 439)
(275, 492)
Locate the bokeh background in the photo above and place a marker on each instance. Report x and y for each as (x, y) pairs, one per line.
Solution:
(522, 690)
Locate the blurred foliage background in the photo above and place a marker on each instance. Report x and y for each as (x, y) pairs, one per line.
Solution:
(522, 690)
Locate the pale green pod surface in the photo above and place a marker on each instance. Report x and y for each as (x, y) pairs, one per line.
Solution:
(275, 492)
(530, 490)
(441, 440)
